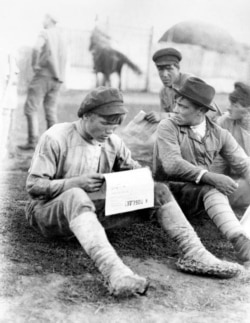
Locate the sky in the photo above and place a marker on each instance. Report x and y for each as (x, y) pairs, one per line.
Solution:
(20, 20)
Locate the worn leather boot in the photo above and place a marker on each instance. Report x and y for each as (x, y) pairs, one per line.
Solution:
(120, 278)
(195, 258)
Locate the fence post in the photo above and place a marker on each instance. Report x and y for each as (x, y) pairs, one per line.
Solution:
(150, 44)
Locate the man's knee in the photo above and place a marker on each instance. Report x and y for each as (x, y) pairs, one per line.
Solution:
(162, 194)
(77, 194)
(77, 201)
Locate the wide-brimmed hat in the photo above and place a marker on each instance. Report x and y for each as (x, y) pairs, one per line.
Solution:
(103, 101)
(197, 91)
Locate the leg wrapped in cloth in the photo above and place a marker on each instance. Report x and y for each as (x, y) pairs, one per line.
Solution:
(195, 258)
(73, 213)
(220, 211)
(91, 235)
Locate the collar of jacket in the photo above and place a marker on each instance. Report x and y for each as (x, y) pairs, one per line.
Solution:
(191, 134)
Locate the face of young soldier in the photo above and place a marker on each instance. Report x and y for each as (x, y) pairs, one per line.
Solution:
(100, 128)
(186, 114)
(237, 111)
(169, 74)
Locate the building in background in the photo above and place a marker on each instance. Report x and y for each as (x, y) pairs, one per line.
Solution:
(210, 53)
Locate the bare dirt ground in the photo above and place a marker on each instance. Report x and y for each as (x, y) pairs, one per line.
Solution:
(54, 281)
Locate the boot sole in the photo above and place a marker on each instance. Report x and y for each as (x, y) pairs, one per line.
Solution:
(218, 270)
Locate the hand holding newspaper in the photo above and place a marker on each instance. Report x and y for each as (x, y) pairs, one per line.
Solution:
(128, 191)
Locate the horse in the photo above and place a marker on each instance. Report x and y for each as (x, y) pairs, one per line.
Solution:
(108, 60)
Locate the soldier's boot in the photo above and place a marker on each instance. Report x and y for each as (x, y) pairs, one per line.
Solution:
(120, 278)
(33, 131)
(195, 258)
(219, 210)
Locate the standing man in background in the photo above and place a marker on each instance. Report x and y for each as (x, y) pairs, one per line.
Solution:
(48, 63)
(8, 96)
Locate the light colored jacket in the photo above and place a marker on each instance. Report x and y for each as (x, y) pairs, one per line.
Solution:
(63, 153)
(180, 156)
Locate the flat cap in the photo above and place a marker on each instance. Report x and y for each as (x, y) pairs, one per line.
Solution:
(103, 101)
(167, 56)
(241, 94)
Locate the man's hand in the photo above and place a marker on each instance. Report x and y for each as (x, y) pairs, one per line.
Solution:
(153, 117)
(91, 182)
(223, 183)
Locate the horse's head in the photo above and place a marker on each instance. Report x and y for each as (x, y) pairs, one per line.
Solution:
(98, 39)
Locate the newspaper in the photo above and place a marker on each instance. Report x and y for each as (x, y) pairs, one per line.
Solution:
(128, 191)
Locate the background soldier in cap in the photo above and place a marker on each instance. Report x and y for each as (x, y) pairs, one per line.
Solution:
(65, 183)
(237, 122)
(237, 119)
(167, 61)
(48, 63)
(185, 148)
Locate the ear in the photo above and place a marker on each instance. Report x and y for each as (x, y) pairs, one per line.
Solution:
(202, 110)
(87, 115)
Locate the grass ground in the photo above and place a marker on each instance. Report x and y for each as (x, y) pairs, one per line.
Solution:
(54, 281)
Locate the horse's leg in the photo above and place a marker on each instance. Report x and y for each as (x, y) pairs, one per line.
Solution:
(96, 80)
(120, 80)
(104, 80)
(107, 79)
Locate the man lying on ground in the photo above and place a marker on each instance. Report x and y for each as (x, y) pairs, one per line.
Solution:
(186, 146)
(65, 180)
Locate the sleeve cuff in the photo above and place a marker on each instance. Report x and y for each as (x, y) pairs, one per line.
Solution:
(202, 172)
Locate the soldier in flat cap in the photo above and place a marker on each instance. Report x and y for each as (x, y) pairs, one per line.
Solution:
(186, 146)
(67, 196)
(167, 61)
(237, 121)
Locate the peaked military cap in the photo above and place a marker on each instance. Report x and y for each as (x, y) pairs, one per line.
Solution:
(166, 56)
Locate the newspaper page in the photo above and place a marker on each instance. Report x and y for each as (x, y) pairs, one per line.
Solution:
(128, 191)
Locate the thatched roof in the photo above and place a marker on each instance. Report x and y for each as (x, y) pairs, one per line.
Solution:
(204, 35)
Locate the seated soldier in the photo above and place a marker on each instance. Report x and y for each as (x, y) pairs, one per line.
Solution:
(167, 61)
(186, 146)
(237, 122)
(65, 180)
(237, 119)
